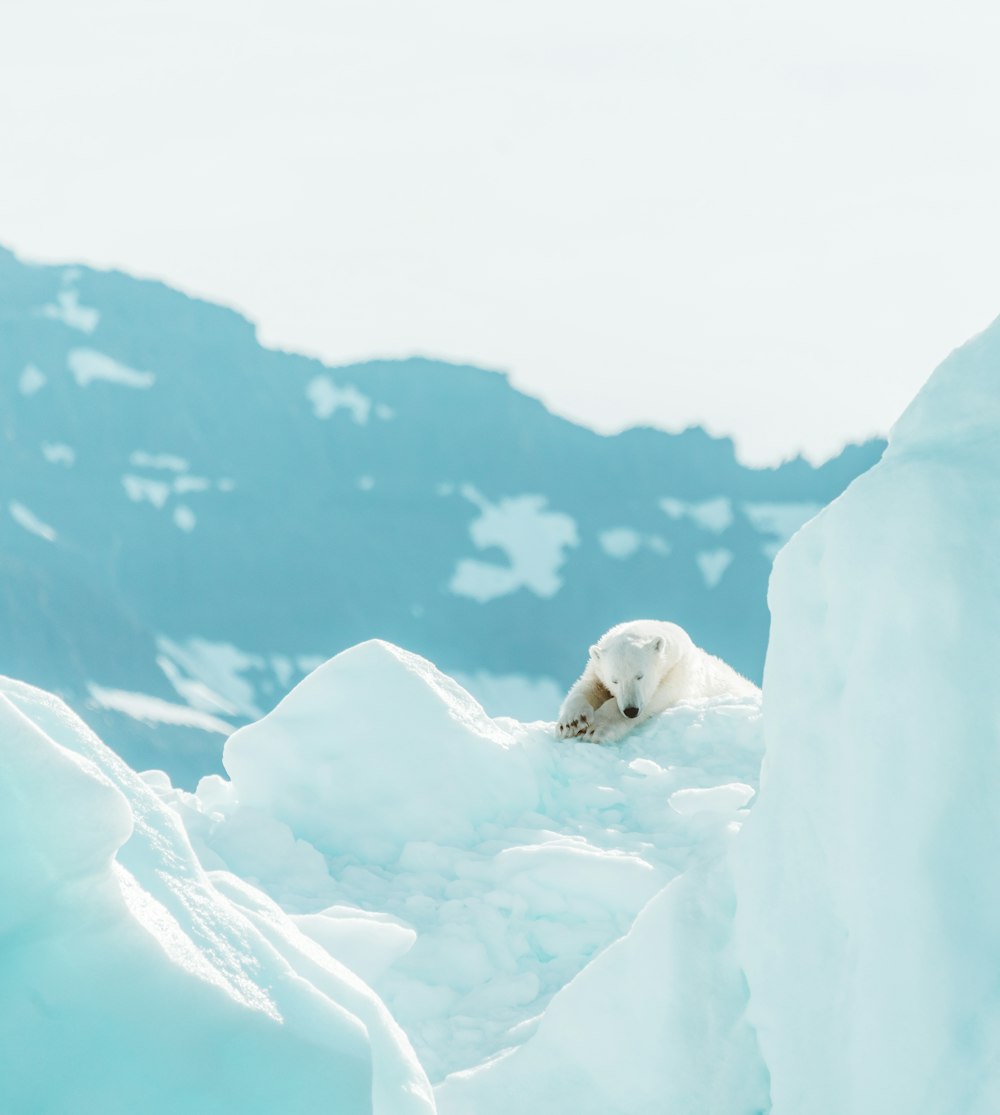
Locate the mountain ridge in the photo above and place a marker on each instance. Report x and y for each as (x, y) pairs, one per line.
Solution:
(169, 482)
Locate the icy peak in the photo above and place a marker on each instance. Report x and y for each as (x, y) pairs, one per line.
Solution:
(960, 403)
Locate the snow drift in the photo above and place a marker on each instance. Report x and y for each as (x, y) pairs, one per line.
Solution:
(869, 905)
(135, 981)
(473, 868)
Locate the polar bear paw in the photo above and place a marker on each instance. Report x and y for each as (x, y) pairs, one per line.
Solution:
(607, 725)
(576, 718)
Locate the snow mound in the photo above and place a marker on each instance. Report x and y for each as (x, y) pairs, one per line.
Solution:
(869, 903)
(470, 868)
(133, 980)
(375, 749)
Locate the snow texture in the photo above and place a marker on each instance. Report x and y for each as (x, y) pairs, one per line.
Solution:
(471, 868)
(869, 902)
(134, 980)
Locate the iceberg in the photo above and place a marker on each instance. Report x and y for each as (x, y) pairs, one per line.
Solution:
(869, 906)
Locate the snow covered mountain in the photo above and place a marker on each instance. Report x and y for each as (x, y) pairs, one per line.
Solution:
(190, 522)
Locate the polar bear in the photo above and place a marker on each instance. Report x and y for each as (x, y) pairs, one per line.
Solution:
(638, 669)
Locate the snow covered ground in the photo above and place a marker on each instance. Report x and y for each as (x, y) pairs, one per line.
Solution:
(134, 980)
(472, 871)
(499, 859)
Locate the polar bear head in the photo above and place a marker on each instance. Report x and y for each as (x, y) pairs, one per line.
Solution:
(631, 666)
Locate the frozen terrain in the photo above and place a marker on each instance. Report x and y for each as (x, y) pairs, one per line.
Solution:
(396, 903)
(868, 892)
(378, 826)
(482, 863)
(135, 980)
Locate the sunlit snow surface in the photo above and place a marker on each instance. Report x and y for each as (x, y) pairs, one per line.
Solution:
(134, 980)
(507, 895)
(500, 860)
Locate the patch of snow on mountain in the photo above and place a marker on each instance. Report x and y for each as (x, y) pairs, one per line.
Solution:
(32, 380)
(89, 366)
(779, 520)
(534, 540)
(327, 399)
(183, 484)
(141, 459)
(68, 310)
(184, 518)
(58, 454)
(154, 710)
(713, 563)
(712, 515)
(200, 666)
(620, 542)
(141, 489)
(31, 523)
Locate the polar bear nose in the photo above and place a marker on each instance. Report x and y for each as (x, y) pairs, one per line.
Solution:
(631, 712)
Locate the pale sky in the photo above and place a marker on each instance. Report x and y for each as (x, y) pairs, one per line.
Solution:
(772, 219)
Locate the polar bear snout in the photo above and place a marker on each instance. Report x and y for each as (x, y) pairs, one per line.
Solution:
(631, 712)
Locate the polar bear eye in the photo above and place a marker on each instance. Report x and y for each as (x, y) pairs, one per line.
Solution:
(639, 677)
(614, 681)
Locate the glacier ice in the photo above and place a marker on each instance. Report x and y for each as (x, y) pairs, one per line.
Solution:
(134, 980)
(869, 903)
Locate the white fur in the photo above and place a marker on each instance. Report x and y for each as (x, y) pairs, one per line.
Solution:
(646, 665)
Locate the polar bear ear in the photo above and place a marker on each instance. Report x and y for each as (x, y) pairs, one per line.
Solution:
(595, 652)
(657, 644)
